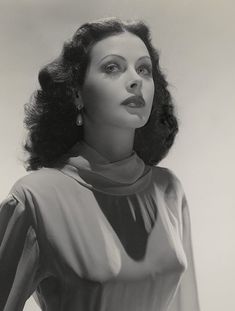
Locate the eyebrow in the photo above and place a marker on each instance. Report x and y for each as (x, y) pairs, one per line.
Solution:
(123, 58)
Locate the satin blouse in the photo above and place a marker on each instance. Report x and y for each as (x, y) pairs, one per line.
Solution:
(90, 235)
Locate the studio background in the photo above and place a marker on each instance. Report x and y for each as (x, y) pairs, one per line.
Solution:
(196, 40)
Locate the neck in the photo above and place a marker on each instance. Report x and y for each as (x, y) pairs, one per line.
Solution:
(114, 144)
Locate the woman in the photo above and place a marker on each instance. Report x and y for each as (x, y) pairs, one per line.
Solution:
(97, 225)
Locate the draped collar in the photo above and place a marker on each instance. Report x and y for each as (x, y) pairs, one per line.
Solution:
(94, 171)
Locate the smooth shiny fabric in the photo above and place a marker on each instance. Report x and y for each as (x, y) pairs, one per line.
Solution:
(90, 235)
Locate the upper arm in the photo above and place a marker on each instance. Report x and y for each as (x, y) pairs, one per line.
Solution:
(19, 254)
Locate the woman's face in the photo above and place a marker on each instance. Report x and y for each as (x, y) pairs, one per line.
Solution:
(120, 67)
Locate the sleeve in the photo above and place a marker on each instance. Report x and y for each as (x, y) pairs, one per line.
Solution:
(19, 255)
(186, 297)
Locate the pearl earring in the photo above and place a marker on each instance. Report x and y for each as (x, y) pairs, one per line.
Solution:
(79, 120)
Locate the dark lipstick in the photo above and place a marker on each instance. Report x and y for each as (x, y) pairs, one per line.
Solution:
(138, 101)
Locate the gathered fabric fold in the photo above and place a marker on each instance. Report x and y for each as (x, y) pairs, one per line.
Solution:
(94, 171)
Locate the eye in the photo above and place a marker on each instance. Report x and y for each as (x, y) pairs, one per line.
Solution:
(111, 68)
(145, 70)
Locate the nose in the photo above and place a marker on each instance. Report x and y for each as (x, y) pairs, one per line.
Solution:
(134, 86)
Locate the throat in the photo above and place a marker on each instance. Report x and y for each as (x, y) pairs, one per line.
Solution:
(113, 143)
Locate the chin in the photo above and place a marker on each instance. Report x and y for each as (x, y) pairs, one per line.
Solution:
(140, 122)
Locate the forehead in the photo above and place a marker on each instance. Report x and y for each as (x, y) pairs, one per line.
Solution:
(125, 44)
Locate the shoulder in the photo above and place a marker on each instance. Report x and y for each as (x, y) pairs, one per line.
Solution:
(168, 183)
(167, 180)
(170, 189)
(42, 181)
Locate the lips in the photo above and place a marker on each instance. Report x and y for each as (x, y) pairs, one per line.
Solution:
(134, 101)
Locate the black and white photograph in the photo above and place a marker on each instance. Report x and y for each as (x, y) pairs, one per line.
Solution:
(117, 155)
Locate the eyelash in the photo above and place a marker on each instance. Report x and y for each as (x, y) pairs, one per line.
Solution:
(148, 68)
(107, 67)
(112, 65)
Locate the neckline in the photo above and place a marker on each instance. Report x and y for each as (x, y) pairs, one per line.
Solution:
(94, 171)
(163, 235)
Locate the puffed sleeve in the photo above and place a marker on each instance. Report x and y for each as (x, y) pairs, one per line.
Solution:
(186, 298)
(19, 255)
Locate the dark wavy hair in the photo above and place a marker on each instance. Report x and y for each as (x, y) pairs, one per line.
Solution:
(50, 115)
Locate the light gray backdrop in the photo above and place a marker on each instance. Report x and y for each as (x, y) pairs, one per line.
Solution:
(196, 40)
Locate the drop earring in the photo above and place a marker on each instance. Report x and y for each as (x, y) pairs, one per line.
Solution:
(79, 120)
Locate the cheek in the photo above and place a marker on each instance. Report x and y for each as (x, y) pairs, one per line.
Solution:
(152, 87)
(96, 93)
(149, 92)
(152, 91)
